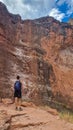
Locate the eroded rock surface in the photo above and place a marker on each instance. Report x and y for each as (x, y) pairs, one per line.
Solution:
(41, 52)
(31, 118)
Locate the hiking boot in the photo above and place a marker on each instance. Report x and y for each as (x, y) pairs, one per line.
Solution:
(16, 108)
(20, 109)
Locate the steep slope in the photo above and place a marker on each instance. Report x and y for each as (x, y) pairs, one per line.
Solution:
(41, 52)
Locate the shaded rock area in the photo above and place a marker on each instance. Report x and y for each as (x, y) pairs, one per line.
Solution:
(31, 118)
(41, 52)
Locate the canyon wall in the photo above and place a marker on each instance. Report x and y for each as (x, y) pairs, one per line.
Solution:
(41, 52)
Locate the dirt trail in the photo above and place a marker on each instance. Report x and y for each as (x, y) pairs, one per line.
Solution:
(31, 118)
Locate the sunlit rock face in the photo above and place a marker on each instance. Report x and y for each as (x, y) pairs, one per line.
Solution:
(71, 21)
(41, 52)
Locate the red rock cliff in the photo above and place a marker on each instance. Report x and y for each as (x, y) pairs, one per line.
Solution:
(41, 52)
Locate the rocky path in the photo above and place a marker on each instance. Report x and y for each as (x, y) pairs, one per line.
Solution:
(31, 118)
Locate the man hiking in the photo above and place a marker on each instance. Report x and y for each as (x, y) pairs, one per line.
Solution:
(18, 93)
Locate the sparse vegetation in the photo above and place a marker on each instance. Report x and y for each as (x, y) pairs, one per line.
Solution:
(66, 115)
(64, 112)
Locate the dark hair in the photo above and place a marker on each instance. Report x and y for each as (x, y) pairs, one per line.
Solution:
(18, 77)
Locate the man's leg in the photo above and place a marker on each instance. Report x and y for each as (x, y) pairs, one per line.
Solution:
(16, 102)
(20, 104)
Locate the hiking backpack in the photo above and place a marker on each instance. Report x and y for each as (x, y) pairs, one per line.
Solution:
(17, 85)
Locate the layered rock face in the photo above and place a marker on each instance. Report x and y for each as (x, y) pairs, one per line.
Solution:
(41, 52)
